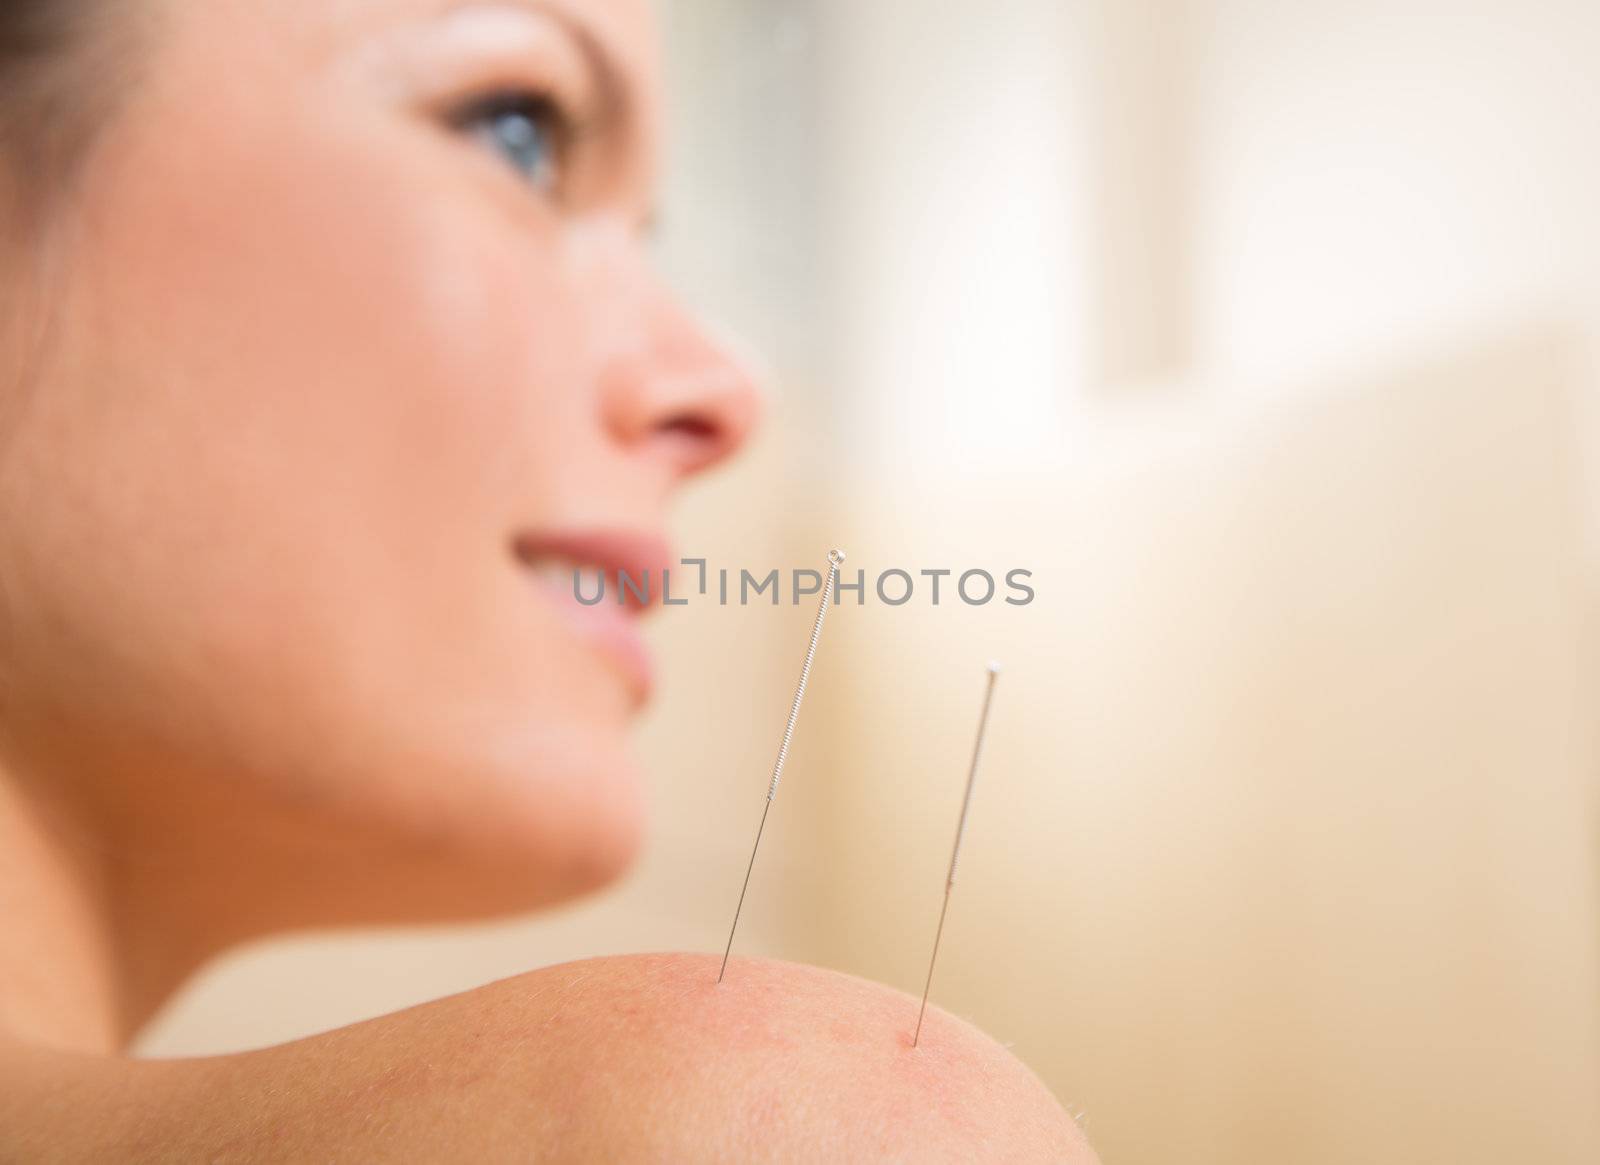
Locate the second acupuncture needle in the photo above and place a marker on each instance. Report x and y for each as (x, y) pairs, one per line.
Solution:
(955, 851)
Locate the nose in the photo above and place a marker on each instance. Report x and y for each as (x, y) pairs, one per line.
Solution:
(682, 397)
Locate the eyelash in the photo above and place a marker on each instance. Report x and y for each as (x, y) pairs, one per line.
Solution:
(556, 126)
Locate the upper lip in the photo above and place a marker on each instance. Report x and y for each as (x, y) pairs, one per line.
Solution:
(641, 556)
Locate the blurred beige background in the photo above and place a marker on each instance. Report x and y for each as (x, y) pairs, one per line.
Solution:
(1265, 336)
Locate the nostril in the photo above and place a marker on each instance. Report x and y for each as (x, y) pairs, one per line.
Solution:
(693, 440)
(692, 426)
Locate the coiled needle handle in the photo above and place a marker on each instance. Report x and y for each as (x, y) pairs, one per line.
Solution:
(835, 557)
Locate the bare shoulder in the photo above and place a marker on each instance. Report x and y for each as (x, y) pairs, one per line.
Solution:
(631, 1058)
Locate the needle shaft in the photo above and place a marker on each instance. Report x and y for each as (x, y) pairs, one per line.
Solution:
(955, 850)
(835, 557)
(727, 950)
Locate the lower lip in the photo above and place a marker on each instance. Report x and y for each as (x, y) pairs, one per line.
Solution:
(609, 628)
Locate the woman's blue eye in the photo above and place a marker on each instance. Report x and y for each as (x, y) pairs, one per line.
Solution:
(526, 130)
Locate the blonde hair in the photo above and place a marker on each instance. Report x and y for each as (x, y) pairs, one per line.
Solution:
(63, 65)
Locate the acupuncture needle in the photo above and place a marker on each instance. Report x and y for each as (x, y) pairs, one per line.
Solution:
(835, 557)
(955, 851)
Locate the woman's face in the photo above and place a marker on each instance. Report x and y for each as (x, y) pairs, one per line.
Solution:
(352, 348)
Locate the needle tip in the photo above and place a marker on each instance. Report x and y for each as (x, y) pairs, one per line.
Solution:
(994, 667)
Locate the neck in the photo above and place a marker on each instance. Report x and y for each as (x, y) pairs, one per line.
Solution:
(73, 974)
(57, 967)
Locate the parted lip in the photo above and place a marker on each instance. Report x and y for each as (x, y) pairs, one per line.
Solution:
(554, 557)
(612, 553)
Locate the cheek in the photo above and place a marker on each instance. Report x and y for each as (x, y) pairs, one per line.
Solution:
(320, 386)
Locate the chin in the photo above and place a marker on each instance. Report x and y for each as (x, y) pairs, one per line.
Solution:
(547, 832)
(431, 811)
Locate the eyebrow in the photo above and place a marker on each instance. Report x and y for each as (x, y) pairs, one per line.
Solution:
(616, 99)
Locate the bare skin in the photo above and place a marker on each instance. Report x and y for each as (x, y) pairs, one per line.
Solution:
(341, 339)
(628, 1059)
(329, 346)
